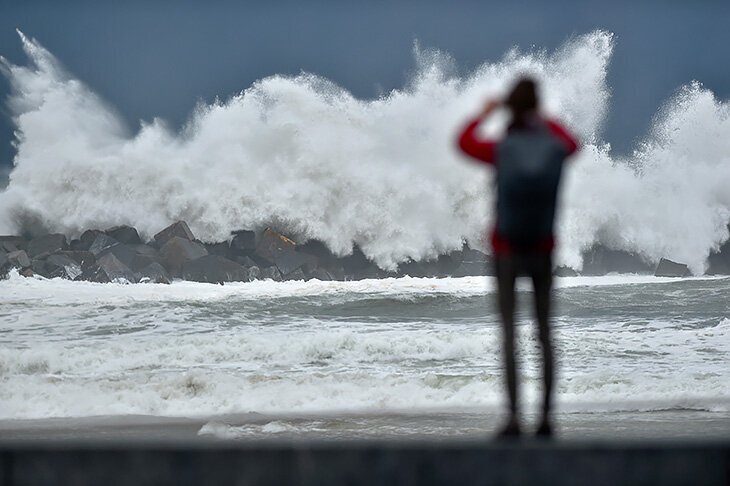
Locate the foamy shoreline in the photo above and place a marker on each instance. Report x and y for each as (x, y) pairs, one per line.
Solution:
(479, 425)
(17, 288)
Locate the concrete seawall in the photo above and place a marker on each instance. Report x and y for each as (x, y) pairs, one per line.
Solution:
(364, 463)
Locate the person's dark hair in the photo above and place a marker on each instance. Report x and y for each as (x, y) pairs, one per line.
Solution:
(522, 100)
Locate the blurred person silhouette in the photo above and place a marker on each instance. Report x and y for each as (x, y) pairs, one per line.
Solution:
(528, 161)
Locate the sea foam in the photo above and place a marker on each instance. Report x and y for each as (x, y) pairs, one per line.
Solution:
(304, 155)
(78, 349)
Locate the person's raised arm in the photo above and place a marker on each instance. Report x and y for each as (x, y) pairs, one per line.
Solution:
(471, 144)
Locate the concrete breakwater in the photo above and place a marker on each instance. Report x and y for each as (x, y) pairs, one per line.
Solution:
(119, 254)
(366, 463)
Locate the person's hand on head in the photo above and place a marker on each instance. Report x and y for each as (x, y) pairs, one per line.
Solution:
(490, 106)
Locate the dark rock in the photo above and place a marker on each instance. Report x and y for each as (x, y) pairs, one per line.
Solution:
(373, 272)
(75, 245)
(357, 267)
(213, 269)
(471, 255)
(316, 248)
(491, 270)
(270, 273)
(13, 243)
(246, 261)
(447, 264)
(28, 272)
(412, 269)
(600, 260)
(87, 239)
(18, 259)
(153, 273)
(320, 274)
(297, 274)
(274, 245)
(254, 273)
(105, 244)
(471, 268)
(124, 234)
(145, 250)
(668, 268)
(58, 265)
(433, 268)
(457, 255)
(144, 256)
(8, 247)
(179, 250)
(95, 274)
(356, 262)
(102, 242)
(221, 249)
(429, 268)
(337, 272)
(311, 262)
(39, 268)
(47, 244)
(258, 261)
(564, 272)
(4, 265)
(243, 242)
(85, 259)
(125, 254)
(474, 263)
(179, 229)
(43, 256)
(141, 261)
(718, 263)
(112, 269)
(291, 261)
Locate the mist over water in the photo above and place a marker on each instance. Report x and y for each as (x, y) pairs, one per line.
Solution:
(305, 156)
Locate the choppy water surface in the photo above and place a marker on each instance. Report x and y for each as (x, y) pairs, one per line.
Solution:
(626, 344)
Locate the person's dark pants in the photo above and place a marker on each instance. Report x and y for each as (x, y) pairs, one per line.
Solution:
(539, 268)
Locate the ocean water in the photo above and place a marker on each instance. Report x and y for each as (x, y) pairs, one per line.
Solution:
(409, 347)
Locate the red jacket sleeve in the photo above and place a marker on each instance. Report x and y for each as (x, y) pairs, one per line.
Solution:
(570, 143)
(471, 145)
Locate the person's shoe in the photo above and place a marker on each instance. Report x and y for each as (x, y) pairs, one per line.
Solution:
(545, 431)
(510, 431)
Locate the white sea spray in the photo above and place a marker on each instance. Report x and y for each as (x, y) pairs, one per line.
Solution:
(304, 155)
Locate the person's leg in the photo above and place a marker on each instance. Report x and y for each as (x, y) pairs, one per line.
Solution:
(541, 272)
(506, 276)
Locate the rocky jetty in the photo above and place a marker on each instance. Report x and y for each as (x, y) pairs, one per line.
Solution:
(119, 254)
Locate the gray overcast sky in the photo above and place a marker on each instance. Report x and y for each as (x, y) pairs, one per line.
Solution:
(160, 58)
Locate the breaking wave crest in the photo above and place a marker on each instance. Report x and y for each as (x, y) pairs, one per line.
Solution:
(304, 155)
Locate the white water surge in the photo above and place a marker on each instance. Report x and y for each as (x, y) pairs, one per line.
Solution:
(77, 349)
(304, 155)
